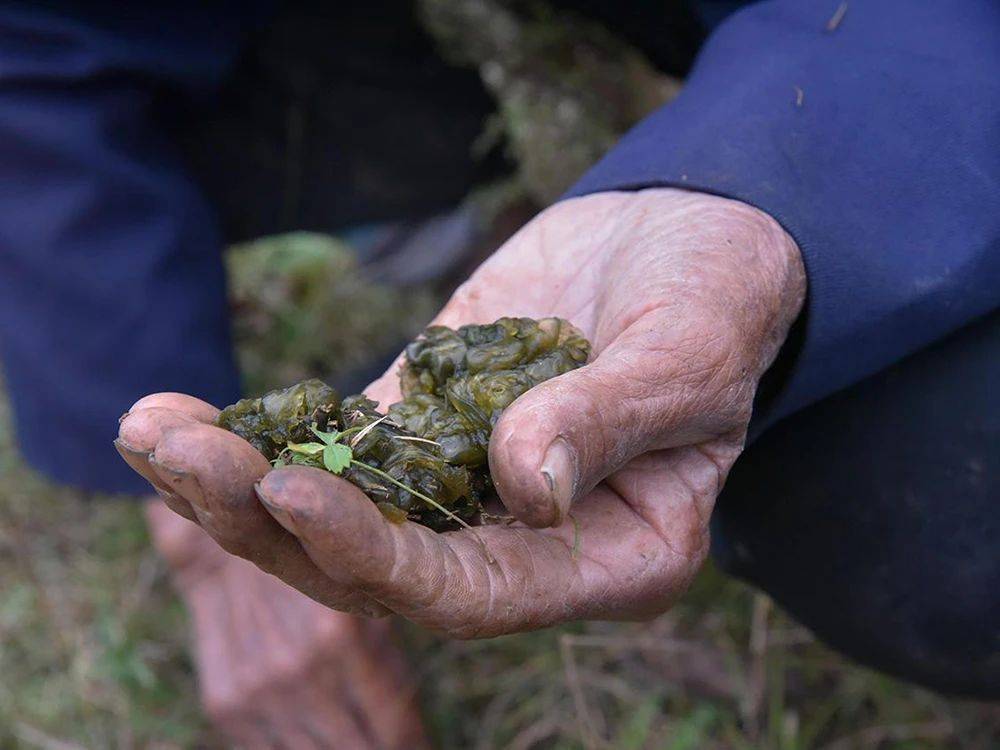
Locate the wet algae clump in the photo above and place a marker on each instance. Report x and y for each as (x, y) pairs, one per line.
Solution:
(425, 460)
(271, 422)
(456, 384)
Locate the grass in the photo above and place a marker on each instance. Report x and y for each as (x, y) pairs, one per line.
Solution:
(94, 653)
(93, 643)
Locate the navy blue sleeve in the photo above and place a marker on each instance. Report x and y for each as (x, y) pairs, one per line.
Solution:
(873, 137)
(112, 284)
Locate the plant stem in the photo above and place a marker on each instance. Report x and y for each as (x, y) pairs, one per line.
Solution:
(429, 501)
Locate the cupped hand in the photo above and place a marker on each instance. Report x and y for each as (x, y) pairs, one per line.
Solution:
(612, 470)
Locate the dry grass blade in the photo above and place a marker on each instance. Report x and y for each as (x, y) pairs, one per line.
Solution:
(368, 428)
(751, 703)
(33, 737)
(533, 734)
(415, 439)
(876, 736)
(585, 722)
(633, 644)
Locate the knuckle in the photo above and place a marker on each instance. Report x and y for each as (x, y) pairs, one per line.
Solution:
(716, 371)
(696, 558)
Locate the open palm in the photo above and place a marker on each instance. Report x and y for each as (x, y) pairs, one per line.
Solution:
(612, 470)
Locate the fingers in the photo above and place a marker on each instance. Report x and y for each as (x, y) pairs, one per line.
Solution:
(646, 391)
(215, 472)
(141, 427)
(609, 563)
(207, 475)
(195, 408)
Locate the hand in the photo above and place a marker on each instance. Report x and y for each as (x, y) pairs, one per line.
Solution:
(612, 470)
(277, 669)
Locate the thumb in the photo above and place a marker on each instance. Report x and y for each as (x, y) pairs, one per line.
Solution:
(645, 391)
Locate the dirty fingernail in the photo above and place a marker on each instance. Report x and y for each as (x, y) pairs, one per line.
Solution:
(139, 461)
(559, 469)
(280, 514)
(180, 483)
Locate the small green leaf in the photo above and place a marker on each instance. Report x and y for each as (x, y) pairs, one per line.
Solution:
(337, 457)
(306, 449)
(328, 438)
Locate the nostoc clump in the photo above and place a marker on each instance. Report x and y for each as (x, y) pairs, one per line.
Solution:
(426, 459)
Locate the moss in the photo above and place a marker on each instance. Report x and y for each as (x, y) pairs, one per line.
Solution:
(566, 89)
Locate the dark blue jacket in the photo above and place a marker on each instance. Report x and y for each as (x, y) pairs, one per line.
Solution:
(872, 135)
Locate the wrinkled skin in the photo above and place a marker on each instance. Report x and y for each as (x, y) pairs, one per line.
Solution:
(686, 299)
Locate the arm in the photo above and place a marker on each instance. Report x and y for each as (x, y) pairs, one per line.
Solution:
(875, 144)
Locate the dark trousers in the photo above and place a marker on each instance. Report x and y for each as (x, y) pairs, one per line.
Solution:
(874, 516)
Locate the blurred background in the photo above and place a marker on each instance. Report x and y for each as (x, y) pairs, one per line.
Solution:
(93, 641)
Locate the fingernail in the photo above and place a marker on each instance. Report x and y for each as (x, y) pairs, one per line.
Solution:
(559, 468)
(181, 483)
(121, 445)
(139, 461)
(280, 514)
(127, 452)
